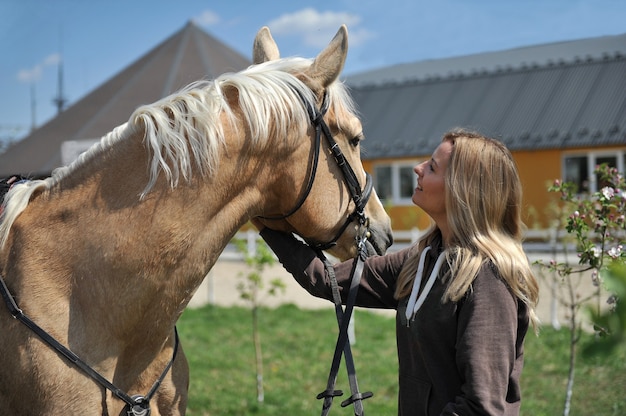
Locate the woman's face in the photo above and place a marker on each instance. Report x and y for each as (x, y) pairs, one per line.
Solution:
(430, 192)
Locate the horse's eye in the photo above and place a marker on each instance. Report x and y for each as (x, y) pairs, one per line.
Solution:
(354, 142)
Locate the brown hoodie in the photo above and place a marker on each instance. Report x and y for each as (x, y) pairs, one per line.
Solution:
(455, 358)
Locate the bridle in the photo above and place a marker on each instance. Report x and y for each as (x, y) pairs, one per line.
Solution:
(358, 195)
(360, 198)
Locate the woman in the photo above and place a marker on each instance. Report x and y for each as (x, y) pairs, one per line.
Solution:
(464, 294)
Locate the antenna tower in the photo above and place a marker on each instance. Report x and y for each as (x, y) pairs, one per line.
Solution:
(60, 100)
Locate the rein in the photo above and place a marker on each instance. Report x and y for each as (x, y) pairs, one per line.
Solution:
(360, 198)
(136, 405)
(342, 344)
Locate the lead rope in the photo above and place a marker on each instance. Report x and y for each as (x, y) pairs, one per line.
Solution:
(342, 344)
(360, 198)
(136, 405)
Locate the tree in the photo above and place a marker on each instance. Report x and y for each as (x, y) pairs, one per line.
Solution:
(597, 223)
(257, 257)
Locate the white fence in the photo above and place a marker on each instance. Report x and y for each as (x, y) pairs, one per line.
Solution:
(535, 240)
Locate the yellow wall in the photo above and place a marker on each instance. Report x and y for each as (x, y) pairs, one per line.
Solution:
(538, 170)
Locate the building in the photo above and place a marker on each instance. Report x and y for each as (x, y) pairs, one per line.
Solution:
(560, 108)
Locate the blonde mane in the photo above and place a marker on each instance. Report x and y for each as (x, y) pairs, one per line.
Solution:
(185, 129)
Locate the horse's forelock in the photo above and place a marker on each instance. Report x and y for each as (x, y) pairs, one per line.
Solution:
(277, 85)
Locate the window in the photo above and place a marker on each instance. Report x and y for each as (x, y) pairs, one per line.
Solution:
(577, 172)
(395, 182)
(609, 160)
(382, 182)
(407, 182)
(578, 169)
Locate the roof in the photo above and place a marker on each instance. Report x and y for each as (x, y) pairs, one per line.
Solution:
(555, 96)
(188, 55)
(518, 58)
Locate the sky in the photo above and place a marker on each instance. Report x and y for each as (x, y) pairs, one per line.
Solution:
(95, 39)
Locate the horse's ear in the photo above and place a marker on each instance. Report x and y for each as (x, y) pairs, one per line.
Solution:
(264, 48)
(329, 63)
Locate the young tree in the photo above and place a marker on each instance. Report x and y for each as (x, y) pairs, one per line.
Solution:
(257, 256)
(597, 222)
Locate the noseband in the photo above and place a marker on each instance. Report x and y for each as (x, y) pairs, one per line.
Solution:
(358, 195)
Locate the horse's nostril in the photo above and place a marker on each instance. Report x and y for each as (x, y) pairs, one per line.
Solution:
(378, 242)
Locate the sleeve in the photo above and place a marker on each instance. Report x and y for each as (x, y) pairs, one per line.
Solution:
(486, 350)
(378, 281)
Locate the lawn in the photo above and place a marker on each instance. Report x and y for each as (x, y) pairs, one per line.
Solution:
(297, 351)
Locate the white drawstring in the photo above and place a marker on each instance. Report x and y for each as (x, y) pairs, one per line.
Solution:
(414, 303)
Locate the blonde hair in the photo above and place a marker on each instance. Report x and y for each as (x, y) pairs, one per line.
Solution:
(483, 196)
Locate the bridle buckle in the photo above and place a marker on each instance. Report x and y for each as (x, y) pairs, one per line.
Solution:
(140, 408)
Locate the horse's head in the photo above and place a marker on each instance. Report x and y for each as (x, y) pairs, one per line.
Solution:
(329, 200)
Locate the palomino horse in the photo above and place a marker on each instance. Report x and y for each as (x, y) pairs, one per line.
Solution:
(104, 255)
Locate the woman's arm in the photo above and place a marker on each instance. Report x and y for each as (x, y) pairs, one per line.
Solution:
(489, 351)
(377, 282)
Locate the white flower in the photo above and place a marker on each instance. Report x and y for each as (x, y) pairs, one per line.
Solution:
(596, 252)
(615, 252)
(608, 192)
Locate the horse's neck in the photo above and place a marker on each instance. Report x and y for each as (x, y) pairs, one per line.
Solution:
(133, 258)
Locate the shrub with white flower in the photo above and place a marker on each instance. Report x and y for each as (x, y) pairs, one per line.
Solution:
(597, 223)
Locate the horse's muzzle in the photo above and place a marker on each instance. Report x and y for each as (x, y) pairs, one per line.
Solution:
(378, 243)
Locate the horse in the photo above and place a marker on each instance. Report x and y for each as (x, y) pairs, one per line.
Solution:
(99, 260)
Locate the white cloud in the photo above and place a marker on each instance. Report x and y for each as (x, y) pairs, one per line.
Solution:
(34, 74)
(53, 59)
(207, 18)
(30, 75)
(315, 28)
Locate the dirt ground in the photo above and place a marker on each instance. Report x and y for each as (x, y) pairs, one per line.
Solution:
(220, 288)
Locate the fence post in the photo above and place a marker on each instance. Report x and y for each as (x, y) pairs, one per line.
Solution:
(415, 234)
(251, 242)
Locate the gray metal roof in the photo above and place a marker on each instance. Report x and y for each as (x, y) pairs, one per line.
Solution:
(518, 58)
(562, 95)
(188, 55)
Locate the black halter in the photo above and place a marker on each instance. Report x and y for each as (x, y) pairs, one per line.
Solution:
(136, 405)
(360, 197)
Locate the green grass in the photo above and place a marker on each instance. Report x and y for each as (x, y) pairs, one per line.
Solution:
(599, 382)
(297, 351)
